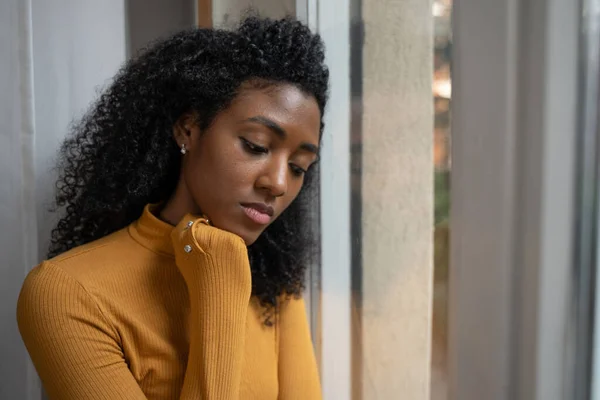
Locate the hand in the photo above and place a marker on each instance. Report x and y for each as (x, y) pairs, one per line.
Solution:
(206, 252)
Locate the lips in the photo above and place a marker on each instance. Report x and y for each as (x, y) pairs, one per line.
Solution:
(259, 213)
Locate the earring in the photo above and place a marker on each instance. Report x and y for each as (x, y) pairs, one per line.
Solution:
(183, 150)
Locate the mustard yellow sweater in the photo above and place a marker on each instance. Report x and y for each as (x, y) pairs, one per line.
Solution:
(161, 312)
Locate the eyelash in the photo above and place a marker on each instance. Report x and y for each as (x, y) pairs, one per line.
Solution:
(253, 148)
(296, 170)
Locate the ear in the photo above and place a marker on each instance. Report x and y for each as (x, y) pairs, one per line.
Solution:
(186, 129)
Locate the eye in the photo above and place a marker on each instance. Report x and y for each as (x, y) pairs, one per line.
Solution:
(253, 148)
(296, 170)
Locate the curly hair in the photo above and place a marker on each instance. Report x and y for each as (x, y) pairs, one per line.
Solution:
(122, 155)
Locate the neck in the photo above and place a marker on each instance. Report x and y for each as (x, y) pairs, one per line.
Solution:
(179, 204)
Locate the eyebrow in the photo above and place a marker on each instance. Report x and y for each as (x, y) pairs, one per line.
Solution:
(279, 131)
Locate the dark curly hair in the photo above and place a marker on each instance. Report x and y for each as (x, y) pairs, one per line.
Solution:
(122, 155)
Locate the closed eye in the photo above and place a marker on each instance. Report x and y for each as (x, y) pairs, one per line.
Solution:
(253, 148)
(296, 170)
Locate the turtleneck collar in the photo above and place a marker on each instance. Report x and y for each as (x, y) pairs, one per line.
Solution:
(152, 232)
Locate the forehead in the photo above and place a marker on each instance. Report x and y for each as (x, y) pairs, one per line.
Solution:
(288, 106)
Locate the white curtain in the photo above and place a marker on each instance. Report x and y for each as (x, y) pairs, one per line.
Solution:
(18, 231)
(54, 55)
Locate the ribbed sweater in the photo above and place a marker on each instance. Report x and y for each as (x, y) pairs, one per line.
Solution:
(161, 312)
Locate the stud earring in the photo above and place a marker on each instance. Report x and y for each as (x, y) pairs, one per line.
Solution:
(183, 149)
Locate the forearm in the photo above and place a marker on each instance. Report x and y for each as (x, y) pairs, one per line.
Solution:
(216, 352)
(216, 269)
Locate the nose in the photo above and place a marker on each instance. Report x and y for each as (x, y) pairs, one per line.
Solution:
(274, 177)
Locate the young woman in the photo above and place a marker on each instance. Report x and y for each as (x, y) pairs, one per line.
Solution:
(177, 268)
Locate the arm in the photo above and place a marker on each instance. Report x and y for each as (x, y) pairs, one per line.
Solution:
(298, 374)
(75, 350)
(217, 272)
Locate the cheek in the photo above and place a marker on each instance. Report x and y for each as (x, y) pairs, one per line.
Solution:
(234, 169)
(219, 172)
(293, 192)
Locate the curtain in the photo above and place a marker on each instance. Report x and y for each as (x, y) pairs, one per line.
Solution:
(18, 224)
(55, 55)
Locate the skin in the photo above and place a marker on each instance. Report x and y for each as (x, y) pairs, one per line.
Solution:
(255, 151)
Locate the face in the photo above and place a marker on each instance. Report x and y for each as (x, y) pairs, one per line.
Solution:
(249, 165)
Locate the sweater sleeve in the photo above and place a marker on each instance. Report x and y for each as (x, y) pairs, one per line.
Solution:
(216, 269)
(298, 374)
(75, 350)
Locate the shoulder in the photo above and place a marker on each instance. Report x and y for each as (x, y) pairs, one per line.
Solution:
(46, 283)
(70, 283)
(99, 252)
(105, 263)
(45, 288)
(51, 300)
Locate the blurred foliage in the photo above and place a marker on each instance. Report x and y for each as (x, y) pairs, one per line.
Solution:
(442, 196)
(441, 236)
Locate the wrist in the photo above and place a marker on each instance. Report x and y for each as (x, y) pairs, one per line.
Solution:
(211, 259)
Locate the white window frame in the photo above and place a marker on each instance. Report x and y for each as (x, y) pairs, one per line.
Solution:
(588, 347)
(331, 19)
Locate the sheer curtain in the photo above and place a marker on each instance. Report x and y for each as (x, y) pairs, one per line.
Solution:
(18, 237)
(55, 54)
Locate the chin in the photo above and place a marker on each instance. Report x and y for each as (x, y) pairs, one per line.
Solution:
(250, 239)
(247, 236)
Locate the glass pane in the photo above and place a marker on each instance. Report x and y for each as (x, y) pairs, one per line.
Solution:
(442, 90)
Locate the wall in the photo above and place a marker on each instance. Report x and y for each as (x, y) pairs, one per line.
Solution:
(229, 11)
(148, 20)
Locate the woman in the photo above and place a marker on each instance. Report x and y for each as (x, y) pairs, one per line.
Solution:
(177, 268)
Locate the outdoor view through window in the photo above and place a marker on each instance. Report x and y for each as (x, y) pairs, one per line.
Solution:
(442, 88)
